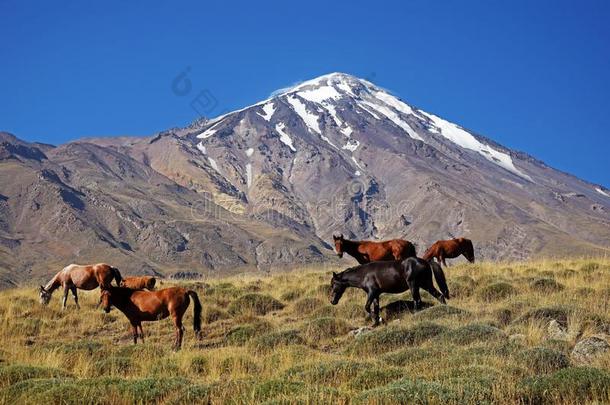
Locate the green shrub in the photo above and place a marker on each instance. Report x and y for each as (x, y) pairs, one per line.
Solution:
(574, 384)
(331, 373)
(307, 305)
(192, 394)
(11, 374)
(375, 376)
(113, 365)
(212, 314)
(408, 391)
(543, 360)
(243, 363)
(199, 365)
(327, 327)
(558, 313)
(496, 291)
(546, 285)
(391, 338)
(272, 340)
(473, 332)
(461, 287)
(258, 304)
(409, 355)
(240, 334)
(439, 312)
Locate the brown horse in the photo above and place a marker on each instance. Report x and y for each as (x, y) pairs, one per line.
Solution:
(367, 251)
(139, 283)
(140, 305)
(450, 249)
(75, 276)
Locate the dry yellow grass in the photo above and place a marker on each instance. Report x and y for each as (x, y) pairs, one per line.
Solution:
(277, 339)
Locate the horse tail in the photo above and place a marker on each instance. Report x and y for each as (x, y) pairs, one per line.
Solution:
(116, 274)
(196, 311)
(439, 276)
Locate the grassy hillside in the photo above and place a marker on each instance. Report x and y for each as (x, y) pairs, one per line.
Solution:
(278, 340)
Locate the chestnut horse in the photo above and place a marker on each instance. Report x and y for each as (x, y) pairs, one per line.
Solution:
(140, 305)
(450, 249)
(74, 276)
(139, 283)
(367, 251)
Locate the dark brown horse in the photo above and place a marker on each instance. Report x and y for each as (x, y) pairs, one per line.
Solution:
(139, 283)
(450, 249)
(367, 251)
(140, 305)
(75, 276)
(390, 277)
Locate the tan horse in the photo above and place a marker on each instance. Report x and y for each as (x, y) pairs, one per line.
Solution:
(139, 283)
(450, 249)
(367, 251)
(140, 305)
(75, 276)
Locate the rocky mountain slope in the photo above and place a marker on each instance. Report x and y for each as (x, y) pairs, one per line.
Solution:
(265, 186)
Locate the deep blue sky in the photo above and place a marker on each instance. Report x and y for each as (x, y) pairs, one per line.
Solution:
(532, 75)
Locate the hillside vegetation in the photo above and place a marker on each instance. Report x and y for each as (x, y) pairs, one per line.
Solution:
(507, 336)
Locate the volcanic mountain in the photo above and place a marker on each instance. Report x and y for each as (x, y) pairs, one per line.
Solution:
(266, 186)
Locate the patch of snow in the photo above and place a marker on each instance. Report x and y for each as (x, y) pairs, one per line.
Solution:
(311, 120)
(201, 148)
(357, 164)
(268, 110)
(213, 164)
(320, 94)
(466, 140)
(368, 111)
(394, 102)
(345, 87)
(357, 172)
(602, 192)
(347, 131)
(249, 174)
(351, 145)
(249, 152)
(208, 132)
(395, 118)
(284, 137)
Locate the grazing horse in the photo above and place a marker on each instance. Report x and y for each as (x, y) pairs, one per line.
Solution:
(140, 305)
(75, 276)
(390, 277)
(367, 251)
(139, 283)
(450, 249)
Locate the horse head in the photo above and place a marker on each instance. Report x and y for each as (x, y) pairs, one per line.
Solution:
(337, 288)
(339, 244)
(106, 300)
(45, 296)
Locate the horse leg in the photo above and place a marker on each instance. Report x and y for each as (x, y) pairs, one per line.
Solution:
(75, 295)
(442, 260)
(367, 306)
(416, 297)
(134, 331)
(65, 298)
(141, 333)
(435, 293)
(179, 331)
(376, 311)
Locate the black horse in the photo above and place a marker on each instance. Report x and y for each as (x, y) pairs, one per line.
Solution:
(390, 277)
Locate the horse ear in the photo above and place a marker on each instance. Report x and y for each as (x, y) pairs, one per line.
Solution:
(42, 288)
(341, 236)
(334, 275)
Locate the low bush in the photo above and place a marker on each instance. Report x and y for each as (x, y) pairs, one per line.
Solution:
(546, 285)
(473, 332)
(573, 384)
(272, 340)
(257, 304)
(12, 374)
(543, 360)
(391, 338)
(496, 291)
(327, 327)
